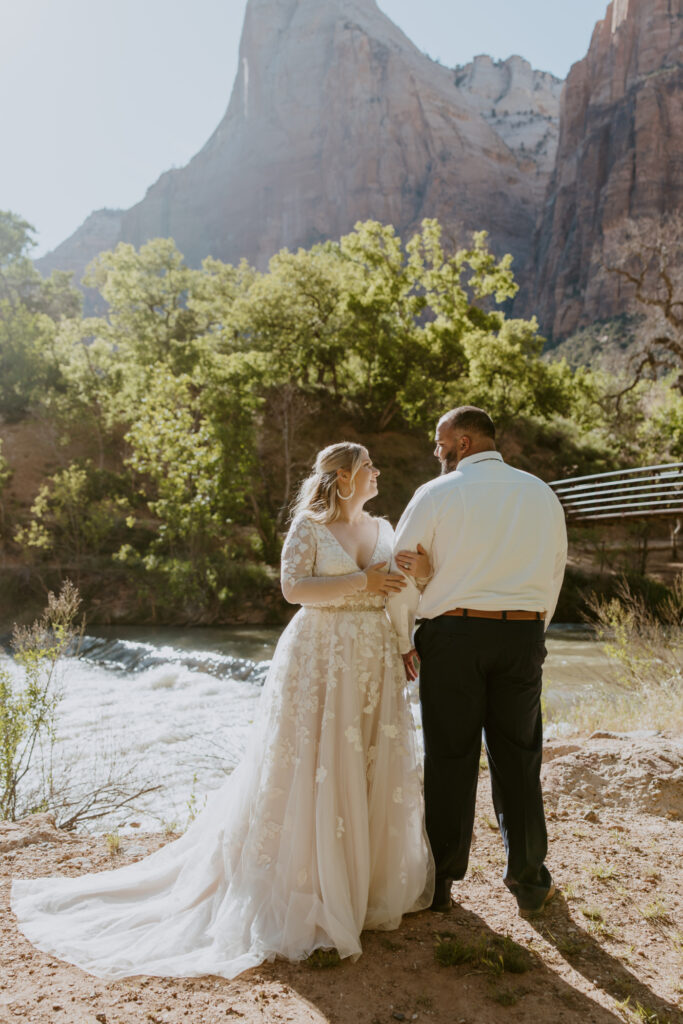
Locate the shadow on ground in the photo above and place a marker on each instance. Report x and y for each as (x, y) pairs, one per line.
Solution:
(399, 978)
(586, 956)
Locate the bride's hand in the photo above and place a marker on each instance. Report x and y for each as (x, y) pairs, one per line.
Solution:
(382, 582)
(415, 563)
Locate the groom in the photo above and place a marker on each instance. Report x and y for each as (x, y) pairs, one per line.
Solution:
(497, 542)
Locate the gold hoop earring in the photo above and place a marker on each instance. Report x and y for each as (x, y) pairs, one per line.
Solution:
(347, 497)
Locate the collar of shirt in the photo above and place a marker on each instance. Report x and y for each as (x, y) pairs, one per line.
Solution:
(480, 457)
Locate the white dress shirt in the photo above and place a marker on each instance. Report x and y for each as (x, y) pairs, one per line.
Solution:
(496, 538)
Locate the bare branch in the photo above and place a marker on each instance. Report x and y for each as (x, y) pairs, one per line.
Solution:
(646, 255)
(102, 801)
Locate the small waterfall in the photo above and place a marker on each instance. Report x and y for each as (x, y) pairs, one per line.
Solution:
(134, 656)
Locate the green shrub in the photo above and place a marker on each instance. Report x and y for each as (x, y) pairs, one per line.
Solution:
(70, 519)
(28, 705)
(495, 954)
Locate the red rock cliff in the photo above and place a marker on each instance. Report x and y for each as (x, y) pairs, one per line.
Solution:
(620, 156)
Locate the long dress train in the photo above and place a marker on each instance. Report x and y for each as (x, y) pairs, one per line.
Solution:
(317, 834)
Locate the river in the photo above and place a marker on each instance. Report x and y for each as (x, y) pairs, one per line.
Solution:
(176, 705)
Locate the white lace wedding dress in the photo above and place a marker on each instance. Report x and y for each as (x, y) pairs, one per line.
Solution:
(317, 834)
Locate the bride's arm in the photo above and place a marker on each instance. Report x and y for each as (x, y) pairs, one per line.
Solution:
(416, 526)
(299, 585)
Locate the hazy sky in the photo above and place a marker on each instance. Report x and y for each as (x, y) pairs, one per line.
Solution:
(98, 98)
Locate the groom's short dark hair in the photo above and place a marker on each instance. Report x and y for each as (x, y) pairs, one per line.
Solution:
(469, 417)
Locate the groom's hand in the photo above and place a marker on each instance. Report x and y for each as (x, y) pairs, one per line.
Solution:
(415, 563)
(411, 663)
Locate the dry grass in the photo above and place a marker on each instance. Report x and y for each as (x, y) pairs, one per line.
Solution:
(604, 872)
(657, 911)
(645, 647)
(113, 840)
(647, 709)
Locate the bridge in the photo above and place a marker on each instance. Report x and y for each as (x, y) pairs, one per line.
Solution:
(650, 493)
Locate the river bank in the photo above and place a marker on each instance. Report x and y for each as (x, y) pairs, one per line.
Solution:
(608, 949)
(117, 596)
(182, 701)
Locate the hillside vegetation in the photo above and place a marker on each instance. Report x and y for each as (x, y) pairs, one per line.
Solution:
(151, 453)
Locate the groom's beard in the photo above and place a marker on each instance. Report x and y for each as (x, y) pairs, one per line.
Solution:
(449, 463)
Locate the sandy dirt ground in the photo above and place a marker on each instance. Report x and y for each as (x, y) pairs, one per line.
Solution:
(609, 947)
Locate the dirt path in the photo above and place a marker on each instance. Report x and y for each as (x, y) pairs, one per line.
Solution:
(609, 948)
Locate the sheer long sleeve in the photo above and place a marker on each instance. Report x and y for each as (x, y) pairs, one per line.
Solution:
(299, 584)
(416, 526)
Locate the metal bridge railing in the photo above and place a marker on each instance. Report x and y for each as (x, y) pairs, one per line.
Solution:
(653, 491)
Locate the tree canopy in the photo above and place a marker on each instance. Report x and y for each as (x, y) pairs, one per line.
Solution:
(201, 393)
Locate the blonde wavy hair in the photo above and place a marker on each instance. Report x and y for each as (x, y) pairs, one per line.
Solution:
(317, 495)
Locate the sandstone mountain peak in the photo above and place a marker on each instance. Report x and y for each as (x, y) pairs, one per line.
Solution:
(521, 104)
(336, 116)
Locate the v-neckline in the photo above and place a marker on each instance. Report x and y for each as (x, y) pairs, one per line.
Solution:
(350, 556)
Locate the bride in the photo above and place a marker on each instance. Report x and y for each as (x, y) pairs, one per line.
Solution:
(318, 833)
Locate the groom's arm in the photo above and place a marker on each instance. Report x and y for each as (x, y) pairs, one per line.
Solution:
(560, 558)
(416, 526)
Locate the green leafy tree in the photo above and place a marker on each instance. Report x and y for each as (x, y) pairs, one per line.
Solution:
(27, 368)
(425, 332)
(20, 282)
(382, 304)
(70, 520)
(106, 362)
(30, 309)
(191, 452)
(506, 374)
(295, 314)
(98, 387)
(202, 393)
(148, 319)
(660, 434)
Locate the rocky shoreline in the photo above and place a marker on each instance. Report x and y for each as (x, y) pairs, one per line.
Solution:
(609, 943)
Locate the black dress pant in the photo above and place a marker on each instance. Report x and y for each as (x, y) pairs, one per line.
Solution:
(484, 674)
